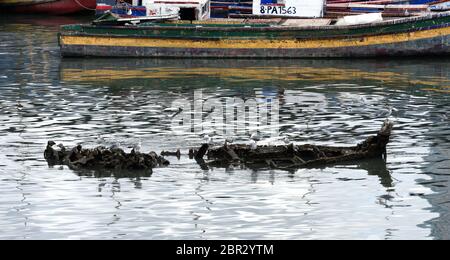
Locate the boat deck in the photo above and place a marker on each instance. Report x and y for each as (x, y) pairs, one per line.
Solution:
(293, 23)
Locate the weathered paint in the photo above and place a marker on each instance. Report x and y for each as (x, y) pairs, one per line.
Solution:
(254, 44)
(277, 43)
(414, 48)
(251, 31)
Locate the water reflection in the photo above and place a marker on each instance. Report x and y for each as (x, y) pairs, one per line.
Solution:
(109, 101)
(438, 168)
(399, 73)
(104, 173)
(375, 167)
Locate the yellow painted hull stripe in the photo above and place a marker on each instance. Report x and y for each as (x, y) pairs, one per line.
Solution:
(254, 43)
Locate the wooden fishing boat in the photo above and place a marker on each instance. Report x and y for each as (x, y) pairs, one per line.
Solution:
(272, 38)
(57, 7)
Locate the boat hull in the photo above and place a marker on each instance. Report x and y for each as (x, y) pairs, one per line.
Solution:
(110, 47)
(416, 38)
(56, 7)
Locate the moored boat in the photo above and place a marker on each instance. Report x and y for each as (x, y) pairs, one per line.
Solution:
(57, 7)
(427, 34)
(152, 10)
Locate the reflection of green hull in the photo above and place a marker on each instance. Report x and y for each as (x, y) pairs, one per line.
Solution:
(425, 35)
(145, 71)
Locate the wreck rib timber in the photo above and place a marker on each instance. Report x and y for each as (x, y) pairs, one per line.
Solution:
(292, 156)
(101, 158)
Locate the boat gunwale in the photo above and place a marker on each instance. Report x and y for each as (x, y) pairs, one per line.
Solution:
(218, 38)
(249, 27)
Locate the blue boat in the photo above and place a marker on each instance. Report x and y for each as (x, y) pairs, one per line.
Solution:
(421, 2)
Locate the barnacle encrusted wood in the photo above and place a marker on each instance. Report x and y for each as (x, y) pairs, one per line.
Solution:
(295, 156)
(101, 158)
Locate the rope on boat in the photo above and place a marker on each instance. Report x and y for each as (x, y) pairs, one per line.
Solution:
(85, 7)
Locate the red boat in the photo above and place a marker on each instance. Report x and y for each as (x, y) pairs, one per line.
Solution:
(57, 7)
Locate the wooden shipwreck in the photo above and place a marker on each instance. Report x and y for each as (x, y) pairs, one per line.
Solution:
(290, 157)
(286, 157)
(101, 158)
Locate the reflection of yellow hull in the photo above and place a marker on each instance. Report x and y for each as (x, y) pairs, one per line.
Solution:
(326, 74)
(232, 74)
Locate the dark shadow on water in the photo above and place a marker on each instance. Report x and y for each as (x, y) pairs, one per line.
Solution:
(373, 167)
(377, 167)
(118, 174)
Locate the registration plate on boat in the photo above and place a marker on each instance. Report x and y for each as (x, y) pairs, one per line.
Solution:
(297, 8)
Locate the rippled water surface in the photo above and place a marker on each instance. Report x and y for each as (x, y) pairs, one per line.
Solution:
(105, 101)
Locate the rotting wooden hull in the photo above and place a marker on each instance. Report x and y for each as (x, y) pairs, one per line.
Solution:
(427, 35)
(291, 157)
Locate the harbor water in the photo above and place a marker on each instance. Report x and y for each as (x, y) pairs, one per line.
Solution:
(127, 101)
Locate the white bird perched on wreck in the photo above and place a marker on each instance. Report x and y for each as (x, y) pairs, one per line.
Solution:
(254, 138)
(275, 140)
(100, 139)
(253, 145)
(286, 140)
(137, 147)
(59, 148)
(207, 139)
(228, 140)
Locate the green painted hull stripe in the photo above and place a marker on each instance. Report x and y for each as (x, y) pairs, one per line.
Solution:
(255, 32)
